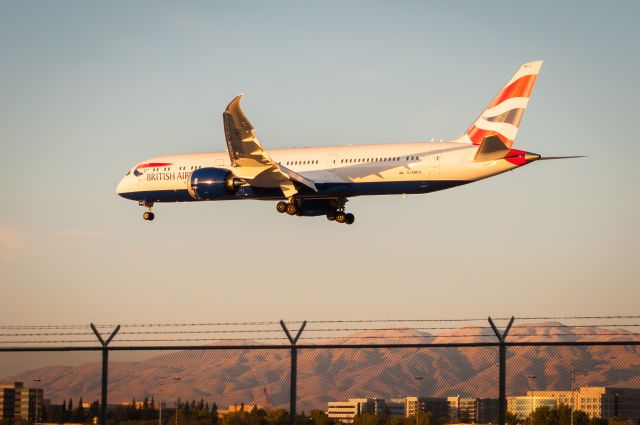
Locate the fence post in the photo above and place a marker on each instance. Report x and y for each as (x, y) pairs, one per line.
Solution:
(502, 358)
(105, 370)
(294, 370)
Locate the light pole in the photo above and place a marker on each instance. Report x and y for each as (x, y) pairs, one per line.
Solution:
(418, 379)
(37, 403)
(573, 396)
(160, 381)
(177, 379)
(531, 378)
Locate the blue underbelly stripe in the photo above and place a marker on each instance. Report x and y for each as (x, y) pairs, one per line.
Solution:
(345, 190)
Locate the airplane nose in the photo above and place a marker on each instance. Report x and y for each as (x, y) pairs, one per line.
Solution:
(121, 187)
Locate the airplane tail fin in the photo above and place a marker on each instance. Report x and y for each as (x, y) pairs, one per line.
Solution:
(502, 116)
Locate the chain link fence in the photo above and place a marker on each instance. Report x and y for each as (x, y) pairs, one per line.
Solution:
(413, 374)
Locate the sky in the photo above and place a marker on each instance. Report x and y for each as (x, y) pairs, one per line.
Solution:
(88, 89)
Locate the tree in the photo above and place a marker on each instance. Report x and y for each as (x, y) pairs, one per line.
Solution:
(318, 417)
(580, 418)
(366, 419)
(69, 412)
(78, 415)
(214, 414)
(543, 416)
(511, 418)
(620, 421)
(94, 410)
(277, 417)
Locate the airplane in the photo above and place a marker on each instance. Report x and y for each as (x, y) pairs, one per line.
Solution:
(318, 181)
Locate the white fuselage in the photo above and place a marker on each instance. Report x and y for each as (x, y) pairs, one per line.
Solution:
(382, 169)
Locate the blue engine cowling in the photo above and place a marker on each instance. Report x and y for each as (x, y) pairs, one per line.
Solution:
(206, 184)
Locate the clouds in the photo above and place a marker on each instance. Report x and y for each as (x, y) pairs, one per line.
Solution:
(17, 243)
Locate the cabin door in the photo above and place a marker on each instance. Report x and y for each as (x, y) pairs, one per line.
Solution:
(332, 161)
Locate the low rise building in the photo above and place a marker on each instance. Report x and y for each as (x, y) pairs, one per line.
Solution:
(346, 411)
(435, 405)
(602, 402)
(471, 409)
(7, 401)
(19, 402)
(396, 407)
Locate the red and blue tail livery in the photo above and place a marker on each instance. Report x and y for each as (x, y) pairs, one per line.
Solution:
(318, 181)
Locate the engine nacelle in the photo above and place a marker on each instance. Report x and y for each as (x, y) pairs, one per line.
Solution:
(206, 184)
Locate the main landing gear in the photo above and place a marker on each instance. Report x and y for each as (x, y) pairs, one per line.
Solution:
(148, 215)
(288, 207)
(341, 217)
(335, 211)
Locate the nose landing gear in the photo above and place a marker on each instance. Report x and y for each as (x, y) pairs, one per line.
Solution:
(148, 215)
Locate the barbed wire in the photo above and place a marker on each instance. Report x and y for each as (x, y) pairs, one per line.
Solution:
(240, 331)
(273, 328)
(276, 323)
(353, 337)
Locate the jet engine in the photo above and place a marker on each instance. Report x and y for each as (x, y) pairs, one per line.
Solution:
(206, 184)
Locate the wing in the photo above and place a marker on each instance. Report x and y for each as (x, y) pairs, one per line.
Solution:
(249, 159)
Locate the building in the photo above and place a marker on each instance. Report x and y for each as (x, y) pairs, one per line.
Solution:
(438, 407)
(19, 402)
(31, 404)
(7, 401)
(474, 410)
(346, 411)
(603, 402)
(396, 407)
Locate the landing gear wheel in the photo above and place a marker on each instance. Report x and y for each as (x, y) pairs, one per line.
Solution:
(292, 209)
(331, 215)
(281, 207)
(148, 215)
(341, 217)
(349, 218)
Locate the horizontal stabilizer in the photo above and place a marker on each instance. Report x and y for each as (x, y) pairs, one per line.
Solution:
(491, 148)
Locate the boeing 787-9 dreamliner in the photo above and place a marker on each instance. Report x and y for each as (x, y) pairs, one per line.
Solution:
(319, 181)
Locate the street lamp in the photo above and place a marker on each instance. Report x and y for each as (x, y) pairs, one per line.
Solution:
(418, 379)
(177, 379)
(573, 395)
(531, 378)
(38, 403)
(160, 382)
